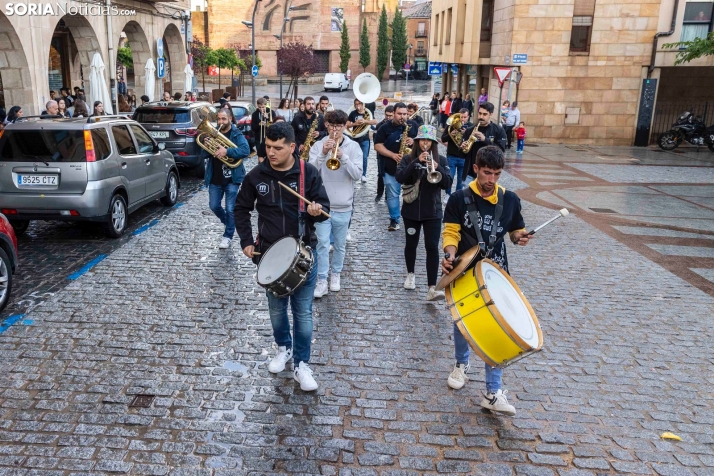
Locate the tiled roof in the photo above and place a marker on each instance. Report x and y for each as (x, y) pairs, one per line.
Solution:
(420, 10)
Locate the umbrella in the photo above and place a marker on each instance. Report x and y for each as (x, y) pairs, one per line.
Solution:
(98, 90)
(188, 78)
(150, 69)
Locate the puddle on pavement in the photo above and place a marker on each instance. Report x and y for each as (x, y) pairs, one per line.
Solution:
(234, 365)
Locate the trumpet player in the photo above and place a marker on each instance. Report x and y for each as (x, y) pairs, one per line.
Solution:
(222, 180)
(260, 120)
(322, 105)
(423, 175)
(358, 118)
(389, 146)
(335, 150)
(487, 133)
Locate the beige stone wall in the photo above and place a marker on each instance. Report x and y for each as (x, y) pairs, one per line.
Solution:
(453, 38)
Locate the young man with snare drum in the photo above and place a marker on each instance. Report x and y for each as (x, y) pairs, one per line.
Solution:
(481, 200)
(278, 217)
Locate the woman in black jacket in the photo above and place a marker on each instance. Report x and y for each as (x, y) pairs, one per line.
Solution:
(422, 205)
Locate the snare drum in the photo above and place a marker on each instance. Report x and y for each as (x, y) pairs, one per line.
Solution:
(493, 315)
(285, 266)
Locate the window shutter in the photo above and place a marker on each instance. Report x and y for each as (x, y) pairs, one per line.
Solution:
(584, 8)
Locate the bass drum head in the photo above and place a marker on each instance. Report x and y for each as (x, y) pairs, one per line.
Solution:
(510, 303)
(277, 260)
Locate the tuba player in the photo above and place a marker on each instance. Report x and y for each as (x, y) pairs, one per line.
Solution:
(222, 180)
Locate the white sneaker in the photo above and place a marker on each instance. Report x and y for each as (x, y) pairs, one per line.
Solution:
(364, 179)
(458, 378)
(434, 295)
(277, 365)
(335, 282)
(303, 374)
(225, 243)
(332, 247)
(410, 282)
(497, 402)
(349, 236)
(320, 288)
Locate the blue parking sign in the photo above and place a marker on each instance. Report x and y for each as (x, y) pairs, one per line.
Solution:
(160, 67)
(434, 68)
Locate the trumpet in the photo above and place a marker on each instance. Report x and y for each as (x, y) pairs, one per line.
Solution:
(333, 163)
(432, 175)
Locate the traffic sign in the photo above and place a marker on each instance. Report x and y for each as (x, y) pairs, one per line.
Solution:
(434, 68)
(160, 67)
(407, 66)
(501, 73)
(159, 48)
(520, 58)
(455, 68)
(254, 71)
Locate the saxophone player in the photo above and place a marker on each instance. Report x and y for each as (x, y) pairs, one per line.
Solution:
(486, 133)
(390, 142)
(302, 123)
(261, 119)
(222, 180)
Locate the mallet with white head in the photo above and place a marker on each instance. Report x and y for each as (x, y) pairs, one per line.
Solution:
(563, 213)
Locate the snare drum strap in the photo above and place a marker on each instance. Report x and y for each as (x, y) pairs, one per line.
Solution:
(475, 213)
(301, 204)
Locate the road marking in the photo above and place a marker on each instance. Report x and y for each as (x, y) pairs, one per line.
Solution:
(86, 267)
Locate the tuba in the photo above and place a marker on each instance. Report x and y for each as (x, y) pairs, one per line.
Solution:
(210, 139)
(454, 123)
(367, 89)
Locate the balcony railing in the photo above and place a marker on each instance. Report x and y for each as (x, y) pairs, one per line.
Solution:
(421, 34)
(420, 52)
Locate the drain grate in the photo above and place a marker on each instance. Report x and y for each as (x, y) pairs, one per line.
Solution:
(603, 210)
(142, 401)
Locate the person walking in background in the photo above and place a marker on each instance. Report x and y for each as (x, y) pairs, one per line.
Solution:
(444, 110)
(434, 107)
(513, 118)
(62, 108)
(521, 137)
(80, 109)
(13, 114)
(456, 102)
(98, 109)
(121, 86)
(468, 104)
(483, 97)
(388, 115)
(123, 104)
(284, 110)
(144, 99)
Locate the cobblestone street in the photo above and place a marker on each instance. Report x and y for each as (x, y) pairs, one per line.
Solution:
(168, 314)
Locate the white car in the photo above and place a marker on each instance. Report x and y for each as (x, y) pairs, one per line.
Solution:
(336, 81)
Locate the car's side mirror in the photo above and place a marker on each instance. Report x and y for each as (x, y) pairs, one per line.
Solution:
(161, 146)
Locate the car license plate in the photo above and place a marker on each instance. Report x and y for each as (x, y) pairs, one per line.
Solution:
(36, 180)
(159, 134)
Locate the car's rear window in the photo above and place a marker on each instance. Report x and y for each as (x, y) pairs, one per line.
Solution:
(42, 146)
(162, 116)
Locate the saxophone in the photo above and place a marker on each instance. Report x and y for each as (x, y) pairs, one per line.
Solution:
(309, 140)
(403, 148)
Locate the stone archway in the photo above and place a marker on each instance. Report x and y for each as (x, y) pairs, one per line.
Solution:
(16, 82)
(175, 54)
(86, 42)
(140, 54)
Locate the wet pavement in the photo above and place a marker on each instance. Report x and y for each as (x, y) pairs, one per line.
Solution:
(169, 315)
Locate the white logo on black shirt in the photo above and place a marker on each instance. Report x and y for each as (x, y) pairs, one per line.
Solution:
(263, 188)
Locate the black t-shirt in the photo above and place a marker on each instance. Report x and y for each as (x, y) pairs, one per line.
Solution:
(222, 175)
(354, 117)
(511, 220)
(391, 136)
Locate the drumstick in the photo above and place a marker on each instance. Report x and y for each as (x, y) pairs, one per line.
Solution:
(563, 213)
(301, 197)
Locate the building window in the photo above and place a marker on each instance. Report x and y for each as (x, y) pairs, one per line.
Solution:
(436, 33)
(583, 13)
(268, 17)
(448, 27)
(421, 30)
(697, 20)
(486, 20)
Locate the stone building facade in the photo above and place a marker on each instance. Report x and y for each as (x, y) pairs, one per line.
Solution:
(39, 50)
(310, 23)
(588, 62)
(418, 19)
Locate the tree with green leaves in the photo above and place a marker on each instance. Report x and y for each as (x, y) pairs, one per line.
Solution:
(203, 57)
(365, 58)
(382, 44)
(399, 40)
(691, 50)
(225, 58)
(345, 54)
(124, 57)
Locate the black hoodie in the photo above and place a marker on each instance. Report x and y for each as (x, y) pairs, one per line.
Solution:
(277, 208)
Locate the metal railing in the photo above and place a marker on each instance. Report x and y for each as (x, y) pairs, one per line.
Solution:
(420, 52)
(667, 112)
(421, 34)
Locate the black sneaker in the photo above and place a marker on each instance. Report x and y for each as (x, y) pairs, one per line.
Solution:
(393, 225)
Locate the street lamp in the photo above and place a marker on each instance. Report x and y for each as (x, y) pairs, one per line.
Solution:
(250, 24)
(409, 53)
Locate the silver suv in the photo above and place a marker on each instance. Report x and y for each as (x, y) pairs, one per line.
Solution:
(98, 169)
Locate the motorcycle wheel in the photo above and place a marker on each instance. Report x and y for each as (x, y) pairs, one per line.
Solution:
(668, 141)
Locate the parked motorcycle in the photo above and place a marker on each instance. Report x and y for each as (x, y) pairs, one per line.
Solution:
(688, 128)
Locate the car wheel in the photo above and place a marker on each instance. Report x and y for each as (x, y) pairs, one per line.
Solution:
(340, 90)
(118, 217)
(172, 185)
(20, 226)
(201, 169)
(668, 141)
(5, 279)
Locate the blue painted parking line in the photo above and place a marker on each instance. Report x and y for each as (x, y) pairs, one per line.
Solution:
(179, 204)
(86, 267)
(10, 321)
(145, 227)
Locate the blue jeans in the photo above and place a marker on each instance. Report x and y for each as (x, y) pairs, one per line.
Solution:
(467, 181)
(521, 143)
(365, 157)
(393, 189)
(337, 226)
(461, 352)
(301, 305)
(215, 195)
(456, 165)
